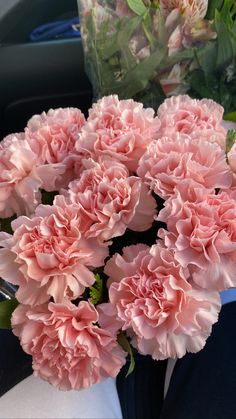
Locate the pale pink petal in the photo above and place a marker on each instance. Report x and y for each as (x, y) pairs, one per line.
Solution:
(156, 304)
(75, 354)
(120, 129)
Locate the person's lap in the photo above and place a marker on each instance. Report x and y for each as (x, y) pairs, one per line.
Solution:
(35, 398)
(202, 386)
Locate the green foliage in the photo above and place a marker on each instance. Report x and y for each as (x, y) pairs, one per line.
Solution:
(213, 5)
(6, 309)
(96, 291)
(230, 139)
(230, 117)
(226, 40)
(215, 75)
(206, 57)
(111, 64)
(227, 8)
(213, 85)
(152, 96)
(137, 79)
(124, 343)
(137, 6)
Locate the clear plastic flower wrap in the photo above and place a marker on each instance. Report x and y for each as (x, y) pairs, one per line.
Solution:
(152, 49)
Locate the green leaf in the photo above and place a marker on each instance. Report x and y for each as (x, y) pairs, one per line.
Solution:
(202, 86)
(137, 6)
(6, 309)
(109, 47)
(227, 12)
(124, 343)
(117, 43)
(137, 79)
(123, 37)
(187, 54)
(226, 42)
(212, 6)
(206, 58)
(230, 139)
(147, 26)
(152, 97)
(96, 291)
(230, 117)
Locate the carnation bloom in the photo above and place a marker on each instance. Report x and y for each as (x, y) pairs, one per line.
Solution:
(19, 182)
(170, 160)
(121, 129)
(231, 192)
(202, 233)
(69, 350)
(201, 119)
(111, 200)
(52, 136)
(185, 191)
(49, 256)
(156, 303)
(232, 161)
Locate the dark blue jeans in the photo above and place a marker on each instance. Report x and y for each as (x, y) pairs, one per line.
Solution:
(202, 386)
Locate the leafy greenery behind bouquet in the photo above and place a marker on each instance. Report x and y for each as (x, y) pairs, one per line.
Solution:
(148, 50)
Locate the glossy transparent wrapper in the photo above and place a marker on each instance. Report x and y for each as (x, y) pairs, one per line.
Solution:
(145, 56)
(118, 56)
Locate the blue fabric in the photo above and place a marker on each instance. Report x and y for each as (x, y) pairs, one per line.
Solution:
(228, 296)
(56, 30)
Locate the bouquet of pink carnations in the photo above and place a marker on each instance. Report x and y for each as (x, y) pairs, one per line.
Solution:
(118, 232)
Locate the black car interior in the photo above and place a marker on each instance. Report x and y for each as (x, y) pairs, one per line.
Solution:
(37, 76)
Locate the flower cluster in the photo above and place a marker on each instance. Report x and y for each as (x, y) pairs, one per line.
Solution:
(140, 203)
(152, 49)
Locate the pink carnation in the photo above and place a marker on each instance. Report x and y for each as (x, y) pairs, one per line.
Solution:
(19, 183)
(185, 191)
(232, 161)
(49, 256)
(202, 232)
(170, 160)
(111, 200)
(52, 136)
(231, 192)
(121, 129)
(201, 119)
(156, 303)
(69, 350)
